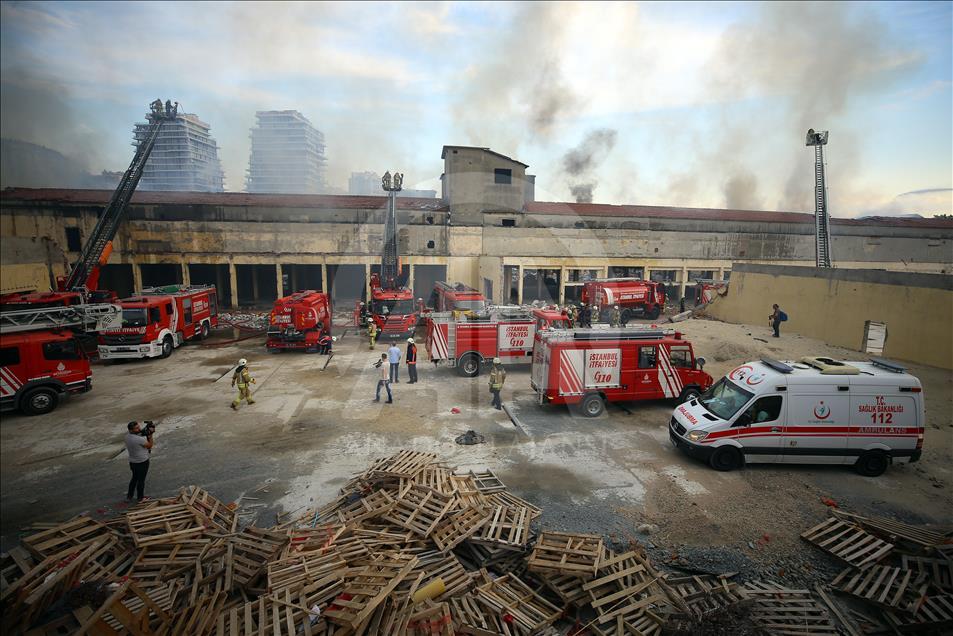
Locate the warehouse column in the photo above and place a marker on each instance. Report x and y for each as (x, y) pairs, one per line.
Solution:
(325, 287)
(233, 284)
(681, 289)
(186, 278)
(562, 286)
(410, 278)
(136, 277)
(280, 289)
(721, 273)
(254, 284)
(293, 279)
(519, 285)
(367, 282)
(646, 274)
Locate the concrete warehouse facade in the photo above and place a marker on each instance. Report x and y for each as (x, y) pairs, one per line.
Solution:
(486, 231)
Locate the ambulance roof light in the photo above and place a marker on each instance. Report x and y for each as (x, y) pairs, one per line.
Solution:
(777, 365)
(889, 365)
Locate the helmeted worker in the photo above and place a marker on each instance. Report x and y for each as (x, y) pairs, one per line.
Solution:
(363, 315)
(585, 316)
(497, 378)
(243, 378)
(571, 314)
(615, 318)
(411, 359)
(372, 333)
(325, 343)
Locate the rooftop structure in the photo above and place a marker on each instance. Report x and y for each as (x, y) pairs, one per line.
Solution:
(287, 154)
(185, 157)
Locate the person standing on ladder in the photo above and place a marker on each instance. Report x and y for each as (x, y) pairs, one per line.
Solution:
(243, 378)
(497, 378)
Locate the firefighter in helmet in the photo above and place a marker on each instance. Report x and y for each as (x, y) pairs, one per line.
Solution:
(372, 332)
(615, 318)
(497, 378)
(242, 377)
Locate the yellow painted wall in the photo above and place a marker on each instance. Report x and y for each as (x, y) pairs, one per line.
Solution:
(24, 277)
(917, 308)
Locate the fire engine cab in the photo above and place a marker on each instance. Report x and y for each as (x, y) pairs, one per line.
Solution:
(40, 357)
(298, 321)
(589, 367)
(634, 296)
(468, 340)
(456, 297)
(815, 411)
(159, 319)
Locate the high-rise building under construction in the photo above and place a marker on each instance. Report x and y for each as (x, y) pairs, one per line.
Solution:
(185, 157)
(287, 154)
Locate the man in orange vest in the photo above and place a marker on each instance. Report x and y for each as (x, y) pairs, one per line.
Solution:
(411, 360)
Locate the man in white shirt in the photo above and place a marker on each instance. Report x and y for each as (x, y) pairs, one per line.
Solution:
(139, 447)
(384, 379)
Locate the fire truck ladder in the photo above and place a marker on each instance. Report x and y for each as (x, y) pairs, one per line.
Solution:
(98, 317)
(114, 212)
(621, 334)
(822, 222)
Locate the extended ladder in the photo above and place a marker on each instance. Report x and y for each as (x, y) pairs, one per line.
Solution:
(98, 317)
(822, 228)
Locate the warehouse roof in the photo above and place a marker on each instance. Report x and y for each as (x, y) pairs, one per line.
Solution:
(443, 153)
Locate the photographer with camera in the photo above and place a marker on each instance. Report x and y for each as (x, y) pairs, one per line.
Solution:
(139, 446)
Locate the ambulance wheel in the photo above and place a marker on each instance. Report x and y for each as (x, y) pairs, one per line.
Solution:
(469, 366)
(39, 401)
(592, 405)
(725, 458)
(872, 463)
(167, 346)
(688, 395)
(205, 331)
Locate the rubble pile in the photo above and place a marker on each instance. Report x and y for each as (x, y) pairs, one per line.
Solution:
(252, 321)
(412, 547)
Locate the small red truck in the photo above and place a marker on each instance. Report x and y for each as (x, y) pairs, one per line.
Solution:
(392, 308)
(634, 296)
(40, 357)
(706, 289)
(467, 341)
(159, 319)
(299, 320)
(456, 296)
(589, 367)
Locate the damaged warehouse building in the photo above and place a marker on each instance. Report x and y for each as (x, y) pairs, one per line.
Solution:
(485, 230)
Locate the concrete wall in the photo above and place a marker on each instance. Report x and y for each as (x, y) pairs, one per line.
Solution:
(470, 188)
(834, 304)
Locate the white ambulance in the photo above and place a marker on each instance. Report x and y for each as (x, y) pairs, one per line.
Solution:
(815, 411)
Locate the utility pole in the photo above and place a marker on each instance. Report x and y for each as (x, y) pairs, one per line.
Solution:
(822, 221)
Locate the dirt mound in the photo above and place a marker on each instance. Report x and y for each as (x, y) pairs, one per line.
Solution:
(734, 351)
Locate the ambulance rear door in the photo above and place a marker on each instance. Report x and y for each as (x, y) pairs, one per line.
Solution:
(882, 417)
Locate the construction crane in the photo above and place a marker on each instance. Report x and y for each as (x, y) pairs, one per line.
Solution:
(80, 284)
(822, 221)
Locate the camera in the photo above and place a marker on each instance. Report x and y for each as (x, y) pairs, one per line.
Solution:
(148, 429)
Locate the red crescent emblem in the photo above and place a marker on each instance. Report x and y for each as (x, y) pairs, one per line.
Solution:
(740, 372)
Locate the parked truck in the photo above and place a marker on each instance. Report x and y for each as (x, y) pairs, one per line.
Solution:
(468, 341)
(589, 367)
(456, 297)
(159, 319)
(299, 320)
(634, 297)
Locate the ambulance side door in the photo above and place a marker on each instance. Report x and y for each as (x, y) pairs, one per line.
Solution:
(759, 428)
(818, 426)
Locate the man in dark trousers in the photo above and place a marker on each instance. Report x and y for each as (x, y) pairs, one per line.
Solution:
(411, 359)
(497, 378)
(585, 317)
(775, 320)
(383, 379)
(139, 447)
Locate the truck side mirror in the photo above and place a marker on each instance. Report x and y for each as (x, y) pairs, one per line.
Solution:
(700, 363)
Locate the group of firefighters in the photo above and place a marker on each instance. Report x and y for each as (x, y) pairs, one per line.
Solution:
(582, 316)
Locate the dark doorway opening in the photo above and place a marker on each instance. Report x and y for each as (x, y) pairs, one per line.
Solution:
(347, 284)
(424, 278)
(257, 285)
(206, 274)
(117, 278)
(161, 274)
(297, 278)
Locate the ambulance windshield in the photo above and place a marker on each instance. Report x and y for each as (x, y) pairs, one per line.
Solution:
(724, 399)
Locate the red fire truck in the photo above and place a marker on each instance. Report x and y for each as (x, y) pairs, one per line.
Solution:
(393, 309)
(466, 341)
(40, 358)
(707, 289)
(634, 296)
(159, 319)
(456, 296)
(590, 367)
(298, 321)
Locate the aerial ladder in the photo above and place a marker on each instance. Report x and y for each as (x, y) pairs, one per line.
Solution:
(91, 317)
(822, 221)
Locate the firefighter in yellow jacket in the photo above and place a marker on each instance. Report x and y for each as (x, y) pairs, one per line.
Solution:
(372, 332)
(243, 378)
(497, 378)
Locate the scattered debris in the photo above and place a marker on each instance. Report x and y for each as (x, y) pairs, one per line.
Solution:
(469, 438)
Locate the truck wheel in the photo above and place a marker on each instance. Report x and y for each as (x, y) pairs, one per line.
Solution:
(167, 346)
(872, 463)
(593, 405)
(725, 458)
(688, 395)
(469, 366)
(626, 316)
(205, 331)
(654, 312)
(39, 401)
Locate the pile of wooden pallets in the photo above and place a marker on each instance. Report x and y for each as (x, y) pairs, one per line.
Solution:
(410, 547)
(899, 577)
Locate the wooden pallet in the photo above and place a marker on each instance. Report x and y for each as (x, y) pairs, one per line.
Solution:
(890, 587)
(211, 512)
(566, 553)
(419, 510)
(158, 563)
(848, 542)
(78, 531)
(131, 609)
(371, 506)
(702, 594)
(567, 588)
(198, 619)
(13, 565)
(784, 611)
(466, 493)
(298, 569)
(895, 531)
(431, 621)
(365, 588)
(640, 621)
(487, 482)
(400, 465)
(619, 577)
(432, 566)
(433, 477)
(509, 499)
(165, 523)
(508, 527)
(458, 526)
(508, 595)
(248, 554)
(470, 617)
(938, 571)
(288, 613)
